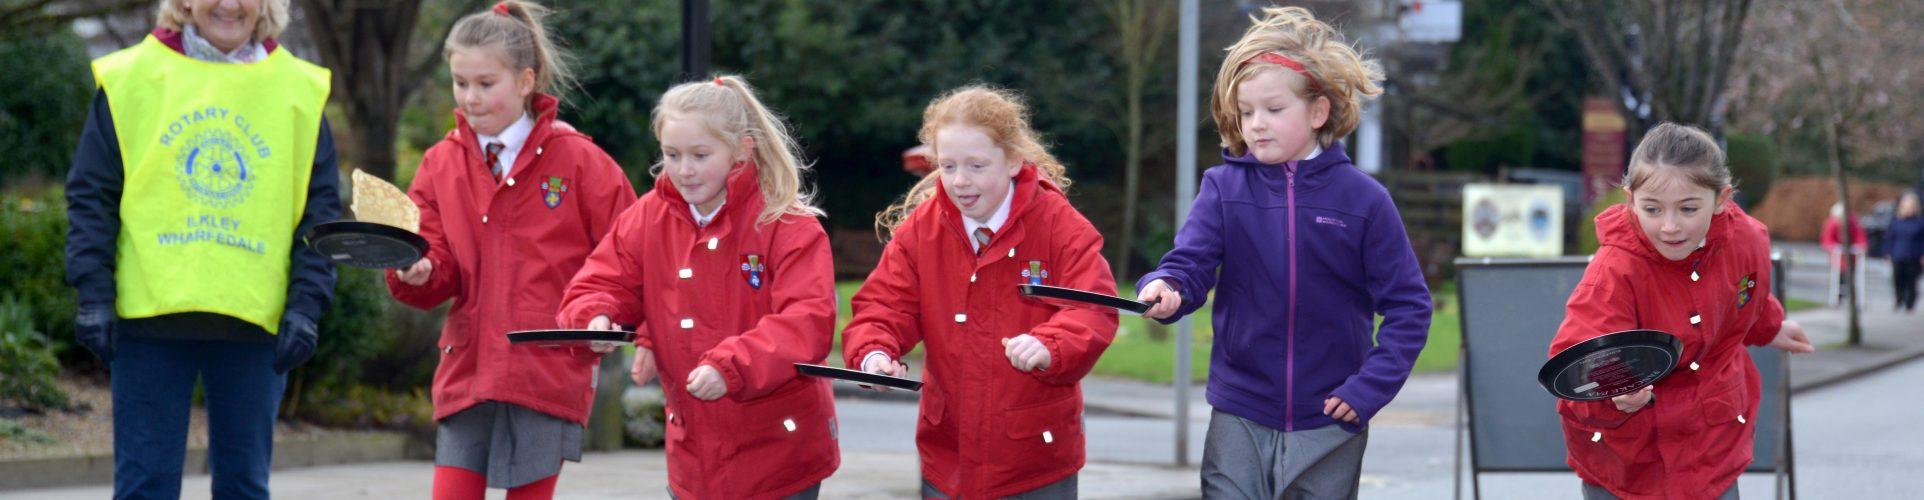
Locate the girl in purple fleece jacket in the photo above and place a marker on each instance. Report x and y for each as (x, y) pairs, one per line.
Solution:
(1308, 251)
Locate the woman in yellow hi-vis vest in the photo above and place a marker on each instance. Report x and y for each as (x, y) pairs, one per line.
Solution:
(204, 155)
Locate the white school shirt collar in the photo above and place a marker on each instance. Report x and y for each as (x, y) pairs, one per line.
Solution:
(995, 222)
(511, 139)
(703, 220)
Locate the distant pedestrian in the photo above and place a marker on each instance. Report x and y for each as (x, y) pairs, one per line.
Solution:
(1905, 246)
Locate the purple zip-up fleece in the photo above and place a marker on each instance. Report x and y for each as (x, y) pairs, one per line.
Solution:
(1309, 252)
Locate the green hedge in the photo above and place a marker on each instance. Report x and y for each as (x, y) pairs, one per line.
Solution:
(1754, 165)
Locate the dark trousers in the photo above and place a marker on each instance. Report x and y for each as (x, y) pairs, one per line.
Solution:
(1905, 272)
(153, 386)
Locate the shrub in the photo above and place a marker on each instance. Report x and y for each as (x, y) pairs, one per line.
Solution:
(11, 430)
(644, 408)
(48, 92)
(350, 333)
(1754, 166)
(33, 269)
(28, 368)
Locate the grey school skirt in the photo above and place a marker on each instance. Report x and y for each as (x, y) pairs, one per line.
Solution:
(509, 443)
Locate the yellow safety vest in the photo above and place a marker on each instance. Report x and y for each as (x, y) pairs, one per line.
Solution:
(217, 158)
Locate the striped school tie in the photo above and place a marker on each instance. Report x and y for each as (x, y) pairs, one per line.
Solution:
(494, 158)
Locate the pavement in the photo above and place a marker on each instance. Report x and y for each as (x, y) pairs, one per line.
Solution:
(1132, 439)
(1889, 337)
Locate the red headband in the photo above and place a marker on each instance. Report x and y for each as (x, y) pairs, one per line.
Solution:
(501, 8)
(1284, 61)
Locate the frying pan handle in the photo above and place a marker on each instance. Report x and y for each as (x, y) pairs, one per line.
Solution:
(905, 370)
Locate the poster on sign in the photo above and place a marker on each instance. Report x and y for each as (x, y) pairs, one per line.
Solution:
(1512, 220)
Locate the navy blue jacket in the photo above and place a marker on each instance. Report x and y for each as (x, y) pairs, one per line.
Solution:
(1905, 241)
(93, 215)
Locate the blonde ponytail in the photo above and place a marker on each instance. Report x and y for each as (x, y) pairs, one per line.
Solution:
(727, 106)
(517, 27)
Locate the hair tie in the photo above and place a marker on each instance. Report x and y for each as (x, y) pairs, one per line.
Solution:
(502, 9)
(718, 82)
(1284, 61)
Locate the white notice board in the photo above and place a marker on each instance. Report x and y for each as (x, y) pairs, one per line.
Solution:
(1512, 220)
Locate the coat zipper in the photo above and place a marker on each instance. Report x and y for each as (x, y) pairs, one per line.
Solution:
(1289, 349)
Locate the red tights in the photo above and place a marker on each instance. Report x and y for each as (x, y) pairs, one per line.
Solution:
(455, 483)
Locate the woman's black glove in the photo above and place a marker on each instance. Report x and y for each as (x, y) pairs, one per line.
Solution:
(94, 326)
(295, 343)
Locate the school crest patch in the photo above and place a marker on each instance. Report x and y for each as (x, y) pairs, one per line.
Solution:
(754, 270)
(1744, 288)
(1035, 272)
(554, 188)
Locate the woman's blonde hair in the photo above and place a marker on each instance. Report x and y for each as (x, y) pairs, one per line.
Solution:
(1687, 150)
(517, 28)
(1000, 113)
(1334, 69)
(173, 15)
(727, 107)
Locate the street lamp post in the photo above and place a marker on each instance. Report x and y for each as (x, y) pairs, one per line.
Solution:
(694, 40)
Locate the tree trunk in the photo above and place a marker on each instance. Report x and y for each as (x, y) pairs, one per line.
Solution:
(1854, 332)
(377, 65)
(371, 138)
(1131, 176)
(607, 421)
(1140, 27)
(1834, 115)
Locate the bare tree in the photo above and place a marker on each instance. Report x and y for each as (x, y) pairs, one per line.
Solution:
(1670, 59)
(379, 57)
(1873, 64)
(1481, 87)
(1837, 75)
(17, 16)
(1141, 28)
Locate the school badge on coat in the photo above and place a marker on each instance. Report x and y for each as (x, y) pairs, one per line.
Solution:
(1744, 287)
(754, 270)
(1034, 273)
(554, 188)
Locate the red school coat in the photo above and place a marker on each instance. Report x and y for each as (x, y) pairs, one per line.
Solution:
(987, 429)
(1695, 437)
(504, 251)
(749, 299)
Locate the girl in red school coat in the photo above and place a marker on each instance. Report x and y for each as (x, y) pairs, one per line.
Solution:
(1679, 257)
(512, 200)
(726, 270)
(1002, 405)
